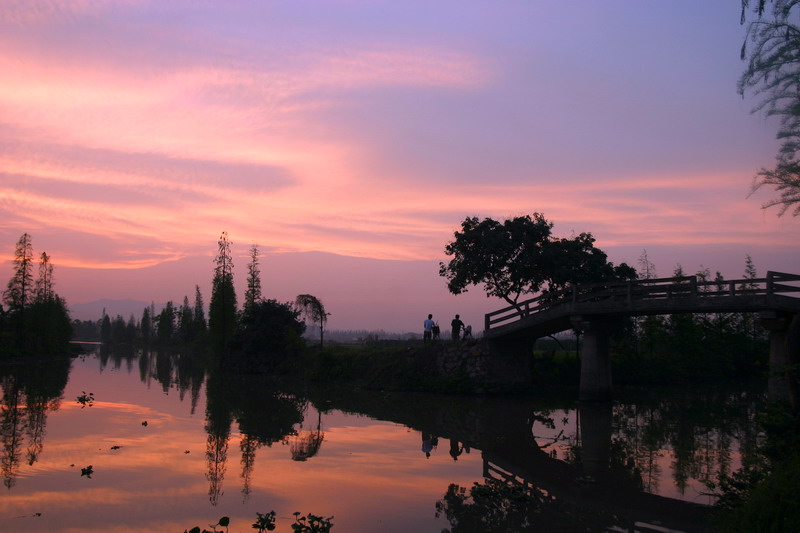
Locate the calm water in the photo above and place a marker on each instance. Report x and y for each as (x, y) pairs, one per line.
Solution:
(171, 448)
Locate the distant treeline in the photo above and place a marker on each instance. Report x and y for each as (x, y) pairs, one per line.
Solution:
(259, 336)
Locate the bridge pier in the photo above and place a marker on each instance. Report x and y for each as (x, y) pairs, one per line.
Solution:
(595, 422)
(781, 351)
(595, 382)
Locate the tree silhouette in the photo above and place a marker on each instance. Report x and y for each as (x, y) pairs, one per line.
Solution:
(17, 295)
(253, 292)
(519, 256)
(44, 284)
(222, 309)
(312, 308)
(773, 75)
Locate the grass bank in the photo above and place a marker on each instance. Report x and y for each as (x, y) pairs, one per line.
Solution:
(412, 366)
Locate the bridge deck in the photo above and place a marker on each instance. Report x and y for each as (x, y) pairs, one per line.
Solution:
(552, 312)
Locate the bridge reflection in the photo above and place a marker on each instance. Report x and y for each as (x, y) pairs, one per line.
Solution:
(593, 486)
(599, 465)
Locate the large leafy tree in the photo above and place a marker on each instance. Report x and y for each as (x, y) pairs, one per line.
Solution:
(222, 308)
(504, 256)
(574, 260)
(772, 52)
(520, 256)
(270, 334)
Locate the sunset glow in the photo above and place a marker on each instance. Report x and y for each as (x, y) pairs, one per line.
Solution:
(132, 133)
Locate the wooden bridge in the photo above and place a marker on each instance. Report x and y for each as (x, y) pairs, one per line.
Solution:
(589, 308)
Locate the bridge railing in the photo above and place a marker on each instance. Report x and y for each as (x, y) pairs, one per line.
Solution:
(625, 293)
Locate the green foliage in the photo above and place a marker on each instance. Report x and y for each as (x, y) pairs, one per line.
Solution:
(772, 74)
(270, 334)
(519, 256)
(763, 495)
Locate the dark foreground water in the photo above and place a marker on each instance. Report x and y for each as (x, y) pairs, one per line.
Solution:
(171, 447)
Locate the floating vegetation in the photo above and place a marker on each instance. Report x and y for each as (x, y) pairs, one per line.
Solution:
(311, 523)
(86, 399)
(223, 522)
(266, 522)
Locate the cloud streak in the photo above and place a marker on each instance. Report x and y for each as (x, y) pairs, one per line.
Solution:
(133, 132)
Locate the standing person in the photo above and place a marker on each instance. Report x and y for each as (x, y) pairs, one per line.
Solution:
(427, 329)
(456, 326)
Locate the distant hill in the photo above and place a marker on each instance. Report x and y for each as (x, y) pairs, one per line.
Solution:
(94, 310)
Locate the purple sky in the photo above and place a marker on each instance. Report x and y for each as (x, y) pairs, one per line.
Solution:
(360, 134)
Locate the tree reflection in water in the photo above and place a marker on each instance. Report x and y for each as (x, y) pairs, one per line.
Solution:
(306, 442)
(263, 414)
(29, 393)
(497, 507)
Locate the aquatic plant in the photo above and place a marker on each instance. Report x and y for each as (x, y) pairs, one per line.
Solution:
(223, 522)
(265, 522)
(311, 523)
(85, 399)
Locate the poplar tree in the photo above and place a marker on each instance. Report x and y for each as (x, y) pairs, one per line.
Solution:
(105, 328)
(166, 323)
(222, 309)
(647, 270)
(253, 293)
(748, 320)
(145, 326)
(198, 315)
(20, 286)
(44, 284)
(185, 322)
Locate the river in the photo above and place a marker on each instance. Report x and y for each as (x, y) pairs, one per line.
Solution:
(113, 442)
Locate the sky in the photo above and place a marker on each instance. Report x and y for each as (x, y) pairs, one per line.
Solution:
(350, 138)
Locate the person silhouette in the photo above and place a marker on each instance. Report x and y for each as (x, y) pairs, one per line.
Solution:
(427, 331)
(455, 449)
(427, 445)
(456, 326)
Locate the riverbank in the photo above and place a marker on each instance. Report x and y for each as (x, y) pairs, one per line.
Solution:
(472, 367)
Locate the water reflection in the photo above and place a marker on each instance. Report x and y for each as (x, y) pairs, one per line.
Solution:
(555, 464)
(29, 393)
